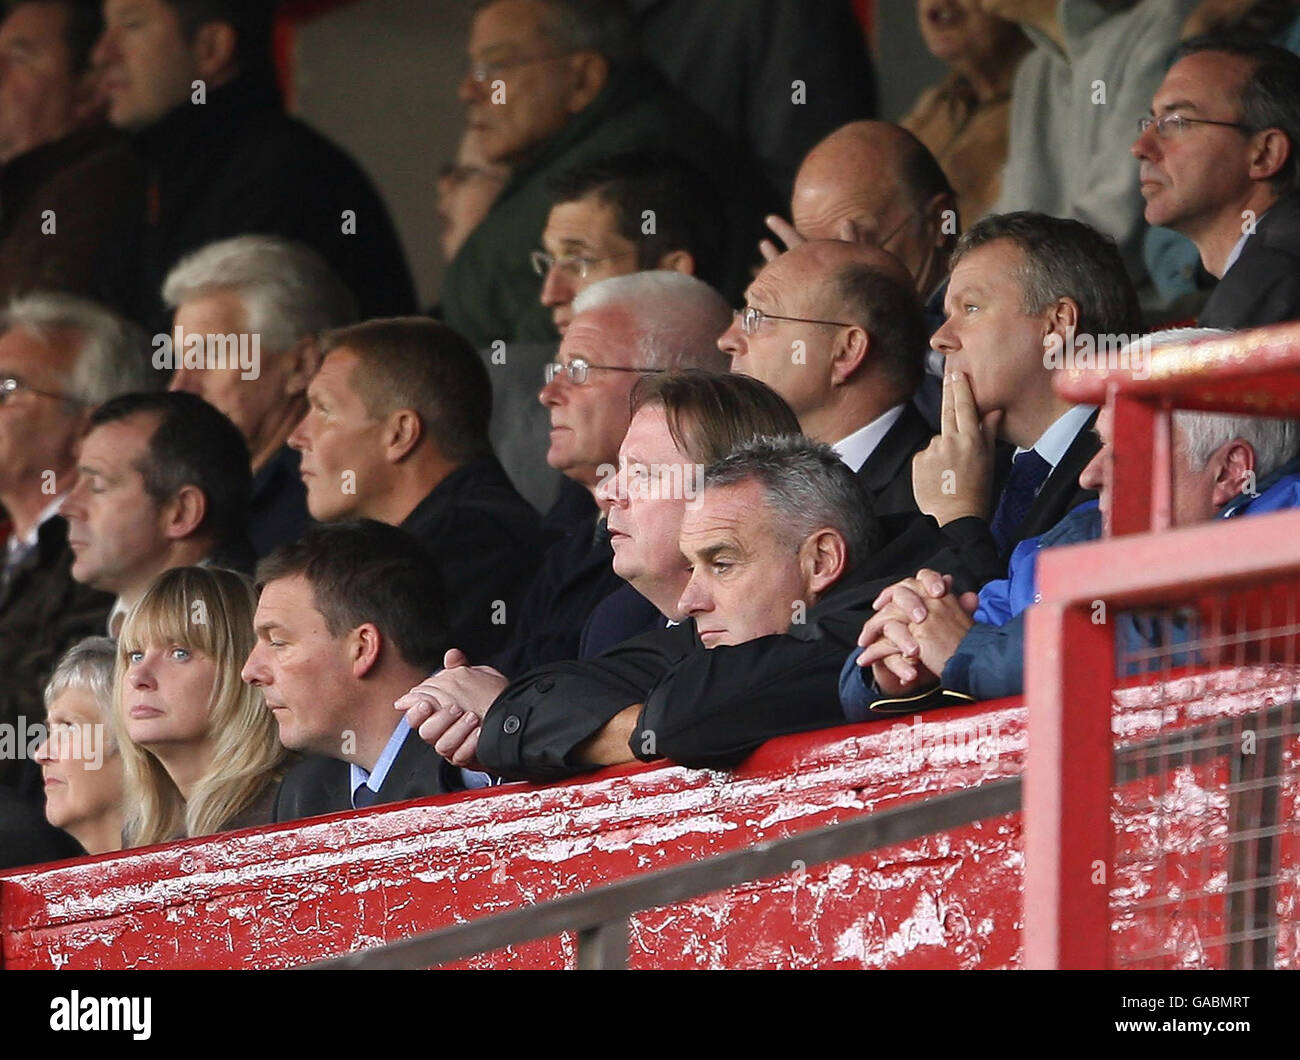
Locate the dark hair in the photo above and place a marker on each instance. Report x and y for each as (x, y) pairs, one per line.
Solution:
(890, 312)
(807, 486)
(421, 364)
(710, 414)
(684, 204)
(920, 173)
(1270, 97)
(365, 571)
(83, 26)
(602, 26)
(193, 444)
(252, 20)
(1064, 259)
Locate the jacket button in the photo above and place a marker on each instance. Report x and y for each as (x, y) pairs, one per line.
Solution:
(545, 684)
(511, 725)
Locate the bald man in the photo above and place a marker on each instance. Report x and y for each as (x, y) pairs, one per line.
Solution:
(875, 183)
(835, 328)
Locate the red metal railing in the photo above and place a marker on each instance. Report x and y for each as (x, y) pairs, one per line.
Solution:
(1098, 836)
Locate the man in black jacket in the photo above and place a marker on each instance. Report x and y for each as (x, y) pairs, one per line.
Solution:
(396, 430)
(193, 83)
(771, 546)
(1218, 164)
(59, 357)
(349, 615)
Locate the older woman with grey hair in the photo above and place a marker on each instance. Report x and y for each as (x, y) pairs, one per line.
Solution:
(79, 758)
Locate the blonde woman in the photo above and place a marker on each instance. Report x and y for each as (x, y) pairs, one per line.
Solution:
(200, 751)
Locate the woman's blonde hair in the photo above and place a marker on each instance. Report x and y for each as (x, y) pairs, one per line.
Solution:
(207, 610)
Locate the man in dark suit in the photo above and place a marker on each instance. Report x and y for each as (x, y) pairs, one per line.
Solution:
(1029, 294)
(192, 82)
(272, 300)
(396, 430)
(771, 548)
(350, 616)
(1218, 164)
(59, 357)
(835, 328)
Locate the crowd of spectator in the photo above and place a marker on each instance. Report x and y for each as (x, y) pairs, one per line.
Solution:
(735, 416)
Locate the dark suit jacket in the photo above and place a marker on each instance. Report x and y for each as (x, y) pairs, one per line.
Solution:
(43, 614)
(1263, 285)
(577, 574)
(701, 707)
(486, 542)
(277, 512)
(26, 838)
(886, 477)
(967, 549)
(318, 785)
(622, 615)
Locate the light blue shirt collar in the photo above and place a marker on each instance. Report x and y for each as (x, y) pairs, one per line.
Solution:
(374, 779)
(1054, 441)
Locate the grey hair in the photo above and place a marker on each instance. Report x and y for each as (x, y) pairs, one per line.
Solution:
(601, 26)
(677, 318)
(114, 354)
(88, 666)
(1275, 441)
(287, 289)
(807, 486)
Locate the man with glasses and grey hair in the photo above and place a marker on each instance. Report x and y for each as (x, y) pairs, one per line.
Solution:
(772, 546)
(1217, 162)
(624, 327)
(60, 357)
(274, 298)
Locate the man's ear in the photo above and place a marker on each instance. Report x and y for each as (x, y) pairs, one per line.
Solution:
(304, 360)
(364, 645)
(1062, 318)
(850, 354)
(184, 513)
(590, 72)
(1270, 149)
(824, 559)
(942, 207)
(215, 46)
(402, 433)
(678, 261)
(1234, 465)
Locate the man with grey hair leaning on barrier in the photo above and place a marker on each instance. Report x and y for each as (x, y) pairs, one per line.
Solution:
(779, 528)
(248, 314)
(623, 327)
(60, 356)
(971, 647)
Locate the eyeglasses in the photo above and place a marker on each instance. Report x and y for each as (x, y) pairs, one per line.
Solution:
(576, 265)
(751, 320)
(482, 73)
(577, 370)
(1178, 123)
(12, 385)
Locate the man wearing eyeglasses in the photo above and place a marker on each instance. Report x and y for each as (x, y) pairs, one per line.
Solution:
(1217, 162)
(835, 328)
(552, 84)
(59, 357)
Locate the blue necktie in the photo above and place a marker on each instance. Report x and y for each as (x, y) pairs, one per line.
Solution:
(1028, 473)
